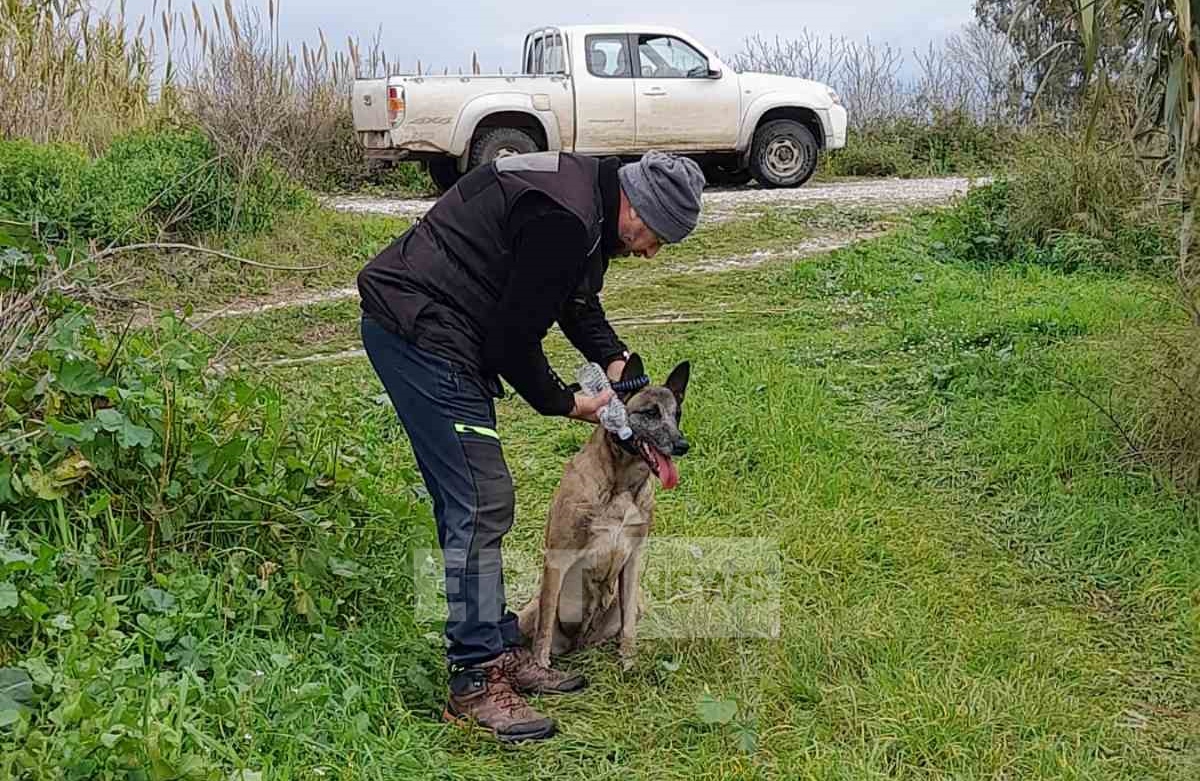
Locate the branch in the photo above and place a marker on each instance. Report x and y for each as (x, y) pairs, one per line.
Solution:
(176, 246)
(1134, 449)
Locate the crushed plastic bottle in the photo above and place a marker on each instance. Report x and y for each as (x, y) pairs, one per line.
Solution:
(613, 416)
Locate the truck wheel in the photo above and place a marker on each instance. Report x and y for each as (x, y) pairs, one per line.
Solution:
(500, 142)
(784, 154)
(444, 172)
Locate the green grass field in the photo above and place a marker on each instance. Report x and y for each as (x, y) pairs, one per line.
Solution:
(975, 583)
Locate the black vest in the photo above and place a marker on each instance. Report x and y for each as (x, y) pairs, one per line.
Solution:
(438, 284)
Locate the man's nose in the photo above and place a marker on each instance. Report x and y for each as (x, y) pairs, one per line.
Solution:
(651, 252)
(680, 448)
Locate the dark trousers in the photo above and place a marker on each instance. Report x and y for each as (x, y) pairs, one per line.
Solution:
(451, 423)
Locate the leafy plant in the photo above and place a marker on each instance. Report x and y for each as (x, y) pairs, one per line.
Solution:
(723, 714)
(145, 185)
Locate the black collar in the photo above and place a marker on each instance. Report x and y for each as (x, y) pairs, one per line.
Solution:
(628, 445)
(610, 198)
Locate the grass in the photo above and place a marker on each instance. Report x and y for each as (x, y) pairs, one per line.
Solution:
(330, 327)
(974, 585)
(337, 245)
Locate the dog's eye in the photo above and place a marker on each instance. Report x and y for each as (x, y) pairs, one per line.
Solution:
(652, 412)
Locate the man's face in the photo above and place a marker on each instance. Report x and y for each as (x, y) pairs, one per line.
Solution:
(636, 238)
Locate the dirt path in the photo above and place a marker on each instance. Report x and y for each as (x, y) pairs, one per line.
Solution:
(805, 248)
(722, 203)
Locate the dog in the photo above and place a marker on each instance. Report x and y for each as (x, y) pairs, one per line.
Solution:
(599, 520)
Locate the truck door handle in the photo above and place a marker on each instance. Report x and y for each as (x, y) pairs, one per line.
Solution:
(655, 92)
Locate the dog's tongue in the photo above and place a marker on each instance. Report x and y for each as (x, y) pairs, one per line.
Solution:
(667, 472)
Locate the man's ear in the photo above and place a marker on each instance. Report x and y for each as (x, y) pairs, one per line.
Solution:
(678, 381)
(633, 368)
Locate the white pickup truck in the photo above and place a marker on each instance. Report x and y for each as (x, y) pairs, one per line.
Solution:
(606, 90)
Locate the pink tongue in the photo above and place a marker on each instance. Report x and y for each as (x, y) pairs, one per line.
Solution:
(667, 472)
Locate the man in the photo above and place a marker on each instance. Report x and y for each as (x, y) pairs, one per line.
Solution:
(466, 297)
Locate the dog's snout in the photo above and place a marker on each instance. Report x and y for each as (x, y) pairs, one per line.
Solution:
(680, 448)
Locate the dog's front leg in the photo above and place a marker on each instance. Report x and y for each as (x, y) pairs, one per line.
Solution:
(630, 578)
(553, 573)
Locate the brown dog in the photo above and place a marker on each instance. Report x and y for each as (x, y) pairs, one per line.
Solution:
(601, 515)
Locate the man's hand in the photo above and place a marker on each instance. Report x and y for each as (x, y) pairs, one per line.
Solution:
(587, 408)
(615, 369)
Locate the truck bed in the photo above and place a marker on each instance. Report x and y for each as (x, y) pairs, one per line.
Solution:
(434, 106)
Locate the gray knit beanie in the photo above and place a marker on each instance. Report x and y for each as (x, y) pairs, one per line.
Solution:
(665, 192)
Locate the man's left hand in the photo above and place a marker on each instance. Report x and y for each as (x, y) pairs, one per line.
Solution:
(615, 369)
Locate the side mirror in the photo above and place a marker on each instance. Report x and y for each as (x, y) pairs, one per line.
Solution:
(714, 73)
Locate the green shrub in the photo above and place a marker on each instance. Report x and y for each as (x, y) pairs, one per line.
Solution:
(172, 182)
(145, 186)
(145, 433)
(43, 183)
(392, 180)
(1064, 205)
(976, 230)
(952, 143)
(871, 157)
(170, 544)
(1062, 184)
(408, 178)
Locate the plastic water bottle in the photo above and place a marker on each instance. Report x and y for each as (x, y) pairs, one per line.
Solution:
(613, 417)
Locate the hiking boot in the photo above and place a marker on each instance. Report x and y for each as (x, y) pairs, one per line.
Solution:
(529, 677)
(484, 695)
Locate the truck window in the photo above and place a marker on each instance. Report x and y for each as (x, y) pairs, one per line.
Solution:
(666, 57)
(534, 65)
(608, 56)
(555, 61)
(545, 54)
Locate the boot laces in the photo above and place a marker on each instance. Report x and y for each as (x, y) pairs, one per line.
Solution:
(502, 691)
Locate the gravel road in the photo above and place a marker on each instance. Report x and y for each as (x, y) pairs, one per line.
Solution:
(721, 203)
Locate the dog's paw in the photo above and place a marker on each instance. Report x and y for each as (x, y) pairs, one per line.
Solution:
(542, 659)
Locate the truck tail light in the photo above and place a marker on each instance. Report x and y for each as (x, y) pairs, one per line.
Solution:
(395, 104)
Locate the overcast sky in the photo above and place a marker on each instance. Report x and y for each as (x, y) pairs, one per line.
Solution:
(445, 32)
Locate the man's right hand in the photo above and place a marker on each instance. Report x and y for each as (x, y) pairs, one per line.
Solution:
(587, 408)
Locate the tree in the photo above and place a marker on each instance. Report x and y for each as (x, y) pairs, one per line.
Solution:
(1051, 57)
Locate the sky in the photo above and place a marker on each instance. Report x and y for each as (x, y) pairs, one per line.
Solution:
(446, 33)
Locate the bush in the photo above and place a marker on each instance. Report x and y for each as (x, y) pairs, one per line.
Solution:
(84, 428)
(1066, 185)
(952, 143)
(172, 542)
(145, 186)
(871, 157)
(173, 182)
(976, 230)
(42, 183)
(134, 431)
(1063, 205)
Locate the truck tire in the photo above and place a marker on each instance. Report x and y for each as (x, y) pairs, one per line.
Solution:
(784, 154)
(500, 142)
(444, 172)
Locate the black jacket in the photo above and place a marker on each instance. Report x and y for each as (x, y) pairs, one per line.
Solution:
(514, 247)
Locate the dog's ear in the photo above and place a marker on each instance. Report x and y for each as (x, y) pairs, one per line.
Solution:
(633, 368)
(678, 381)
